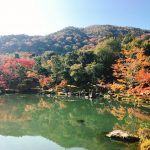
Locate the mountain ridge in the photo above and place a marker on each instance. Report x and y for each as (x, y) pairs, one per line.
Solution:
(66, 40)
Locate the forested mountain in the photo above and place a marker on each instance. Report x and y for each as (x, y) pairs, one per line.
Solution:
(119, 63)
(66, 40)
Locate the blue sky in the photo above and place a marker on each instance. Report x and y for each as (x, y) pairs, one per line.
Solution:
(40, 17)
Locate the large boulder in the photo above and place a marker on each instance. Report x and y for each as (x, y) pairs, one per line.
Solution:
(123, 136)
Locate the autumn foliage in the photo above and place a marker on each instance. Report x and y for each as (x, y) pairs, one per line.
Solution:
(9, 68)
(32, 74)
(45, 81)
(63, 83)
(132, 72)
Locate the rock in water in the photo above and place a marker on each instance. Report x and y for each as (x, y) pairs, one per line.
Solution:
(123, 136)
(81, 121)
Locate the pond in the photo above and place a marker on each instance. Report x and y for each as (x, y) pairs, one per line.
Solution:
(36, 122)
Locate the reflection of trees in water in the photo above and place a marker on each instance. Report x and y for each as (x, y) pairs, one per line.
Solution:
(117, 111)
(132, 120)
(69, 123)
(139, 114)
(136, 122)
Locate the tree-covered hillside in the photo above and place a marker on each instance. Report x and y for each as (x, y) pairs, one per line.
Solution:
(66, 40)
(116, 63)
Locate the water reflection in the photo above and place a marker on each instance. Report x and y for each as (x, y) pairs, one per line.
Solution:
(73, 125)
(30, 143)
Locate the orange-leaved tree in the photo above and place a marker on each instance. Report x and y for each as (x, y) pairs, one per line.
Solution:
(45, 81)
(132, 72)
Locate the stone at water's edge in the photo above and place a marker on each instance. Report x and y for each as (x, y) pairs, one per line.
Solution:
(123, 136)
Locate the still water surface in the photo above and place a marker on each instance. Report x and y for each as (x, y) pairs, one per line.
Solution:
(34, 122)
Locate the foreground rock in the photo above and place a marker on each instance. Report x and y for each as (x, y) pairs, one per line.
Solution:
(122, 136)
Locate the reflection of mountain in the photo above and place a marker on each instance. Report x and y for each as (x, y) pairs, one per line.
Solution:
(29, 143)
(61, 124)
